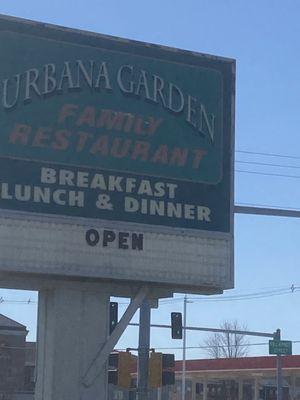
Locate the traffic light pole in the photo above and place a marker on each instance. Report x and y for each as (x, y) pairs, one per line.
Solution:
(143, 352)
(279, 369)
(274, 335)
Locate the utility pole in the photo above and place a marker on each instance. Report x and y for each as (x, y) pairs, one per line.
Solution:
(143, 351)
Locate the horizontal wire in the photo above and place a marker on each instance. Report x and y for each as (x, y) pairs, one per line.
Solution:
(268, 164)
(268, 174)
(271, 291)
(265, 292)
(193, 299)
(247, 298)
(268, 154)
(209, 347)
(174, 348)
(33, 302)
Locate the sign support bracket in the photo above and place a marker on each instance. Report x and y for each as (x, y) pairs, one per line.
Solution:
(102, 355)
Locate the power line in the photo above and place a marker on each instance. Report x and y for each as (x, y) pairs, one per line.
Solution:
(267, 164)
(274, 165)
(268, 154)
(209, 347)
(273, 291)
(244, 298)
(29, 301)
(268, 174)
(157, 348)
(262, 292)
(248, 296)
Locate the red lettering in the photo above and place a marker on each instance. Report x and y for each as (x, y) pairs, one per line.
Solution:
(161, 155)
(111, 120)
(61, 139)
(138, 126)
(41, 138)
(100, 146)
(179, 157)
(199, 154)
(129, 123)
(153, 125)
(88, 117)
(120, 151)
(20, 133)
(140, 151)
(67, 110)
(83, 137)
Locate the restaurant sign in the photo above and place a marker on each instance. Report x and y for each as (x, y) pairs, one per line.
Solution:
(114, 130)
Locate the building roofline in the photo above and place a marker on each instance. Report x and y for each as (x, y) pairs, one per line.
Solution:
(240, 364)
(11, 324)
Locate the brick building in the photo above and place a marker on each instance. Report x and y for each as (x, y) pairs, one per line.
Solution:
(12, 355)
(248, 378)
(16, 359)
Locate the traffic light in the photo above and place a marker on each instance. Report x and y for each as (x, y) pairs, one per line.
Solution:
(155, 370)
(113, 316)
(161, 370)
(176, 325)
(277, 334)
(168, 366)
(119, 369)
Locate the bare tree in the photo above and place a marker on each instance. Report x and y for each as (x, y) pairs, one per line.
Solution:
(227, 345)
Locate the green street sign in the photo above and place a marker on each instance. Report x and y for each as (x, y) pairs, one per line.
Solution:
(280, 347)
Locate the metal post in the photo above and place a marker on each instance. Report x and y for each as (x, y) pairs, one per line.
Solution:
(279, 377)
(143, 353)
(159, 394)
(256, 388)
(279, 369)
(184, 350)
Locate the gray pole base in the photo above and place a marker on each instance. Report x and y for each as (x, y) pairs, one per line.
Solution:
(144, 344)
(72, 326)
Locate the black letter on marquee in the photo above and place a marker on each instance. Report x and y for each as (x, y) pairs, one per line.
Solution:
(108, 236)
(123, 236)
(137, 241)
(92, 237)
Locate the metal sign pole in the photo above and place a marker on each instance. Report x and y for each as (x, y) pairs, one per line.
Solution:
(277, 337)
(279, 377)
(184, 351)
(143, 353)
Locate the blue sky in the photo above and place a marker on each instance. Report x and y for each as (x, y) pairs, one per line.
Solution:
(263, 37)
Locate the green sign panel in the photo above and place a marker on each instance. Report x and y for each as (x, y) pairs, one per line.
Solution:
(280, 347)
(88, 101)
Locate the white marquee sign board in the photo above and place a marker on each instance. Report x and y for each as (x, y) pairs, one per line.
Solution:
(132, 254)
